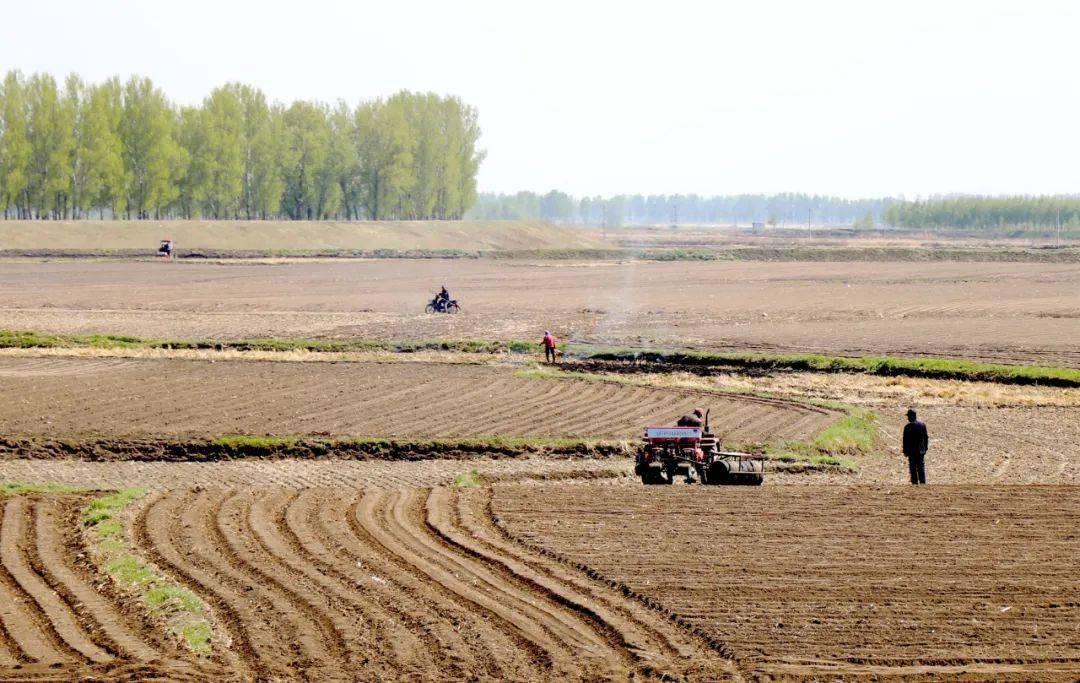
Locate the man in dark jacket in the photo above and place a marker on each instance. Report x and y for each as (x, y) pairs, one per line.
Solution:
(916, 441)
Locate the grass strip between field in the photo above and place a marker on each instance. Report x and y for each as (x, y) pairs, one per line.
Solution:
(181, 610)
(927, 368)
(30, 340)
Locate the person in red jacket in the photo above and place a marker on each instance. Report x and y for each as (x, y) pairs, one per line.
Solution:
(549, 347)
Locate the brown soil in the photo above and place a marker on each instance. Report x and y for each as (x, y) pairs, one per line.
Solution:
(959, 583)
(1010, 312)
(169, 398)
(57, 619)
(331, 584)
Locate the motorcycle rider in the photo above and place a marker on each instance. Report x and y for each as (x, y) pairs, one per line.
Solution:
(442, 299)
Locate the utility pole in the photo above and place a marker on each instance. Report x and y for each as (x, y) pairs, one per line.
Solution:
(809, 224)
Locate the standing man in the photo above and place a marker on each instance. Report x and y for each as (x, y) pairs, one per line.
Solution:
(549, 347)
(916, 441)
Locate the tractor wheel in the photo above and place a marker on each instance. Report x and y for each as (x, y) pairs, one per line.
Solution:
(429, 309)
(650, 477)
(702, 475)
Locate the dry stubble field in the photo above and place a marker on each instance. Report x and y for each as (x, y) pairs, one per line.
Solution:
(335, 570)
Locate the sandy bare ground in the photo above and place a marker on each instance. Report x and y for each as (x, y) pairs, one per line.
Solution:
(74, 397)
(1013, 312)
(955, 583)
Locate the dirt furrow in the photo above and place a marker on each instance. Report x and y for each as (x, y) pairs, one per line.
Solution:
(380, 514)
(341, 616)
(545, 627)
(56, 539)
(483, 399)
(165, 533)
(396, 639)
(457, 643)
(55, 617)
(611, 654)
(321, 647)
(651, 636)
(21, 634)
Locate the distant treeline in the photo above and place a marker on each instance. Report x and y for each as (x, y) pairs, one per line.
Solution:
(777, 209)
(985, 213)
(124, 150)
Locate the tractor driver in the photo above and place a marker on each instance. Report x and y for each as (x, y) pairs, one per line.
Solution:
(691, 420)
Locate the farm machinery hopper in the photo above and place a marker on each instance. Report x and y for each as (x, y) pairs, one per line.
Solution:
(693, 452)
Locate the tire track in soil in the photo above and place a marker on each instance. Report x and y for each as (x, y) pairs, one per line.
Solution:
(647, 635)
(507, 653)
(390, 630)
(633, 648)
(321, 647)
(434, 613)
(561, 624)
(341, 616)
(55, 530)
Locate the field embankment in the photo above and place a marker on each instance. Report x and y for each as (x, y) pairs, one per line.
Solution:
(268, 237)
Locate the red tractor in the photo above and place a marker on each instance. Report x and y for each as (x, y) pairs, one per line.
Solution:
(693, 452)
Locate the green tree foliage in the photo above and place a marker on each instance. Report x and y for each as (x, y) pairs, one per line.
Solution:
(987, 213)
(123, 149)
(154, 162)
(14, 146)
(102, 151)
(51, 137)
(639, 209)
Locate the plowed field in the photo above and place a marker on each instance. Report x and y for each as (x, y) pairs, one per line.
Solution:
(168, 398)
(58, 619)
(335, 585)
(963, 583)
(1012, 312)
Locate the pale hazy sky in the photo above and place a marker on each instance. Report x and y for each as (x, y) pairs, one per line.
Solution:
(848, 98)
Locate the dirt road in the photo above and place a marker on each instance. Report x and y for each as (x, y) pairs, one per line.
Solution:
(1013, 312)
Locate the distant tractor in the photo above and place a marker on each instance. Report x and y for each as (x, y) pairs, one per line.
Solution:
(165, 249)
(693, 452)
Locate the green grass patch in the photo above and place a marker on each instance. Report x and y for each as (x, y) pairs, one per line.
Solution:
(241, 442)
(177, 606)
(930, 368)
(29, 340)
(855, 435)
(470, 479)
(16, 489)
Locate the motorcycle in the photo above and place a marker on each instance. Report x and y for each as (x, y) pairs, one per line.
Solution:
(438, 305)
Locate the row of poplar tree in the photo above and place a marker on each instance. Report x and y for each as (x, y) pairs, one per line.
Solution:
(637, 209)
(982, 213)
(124, 150)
